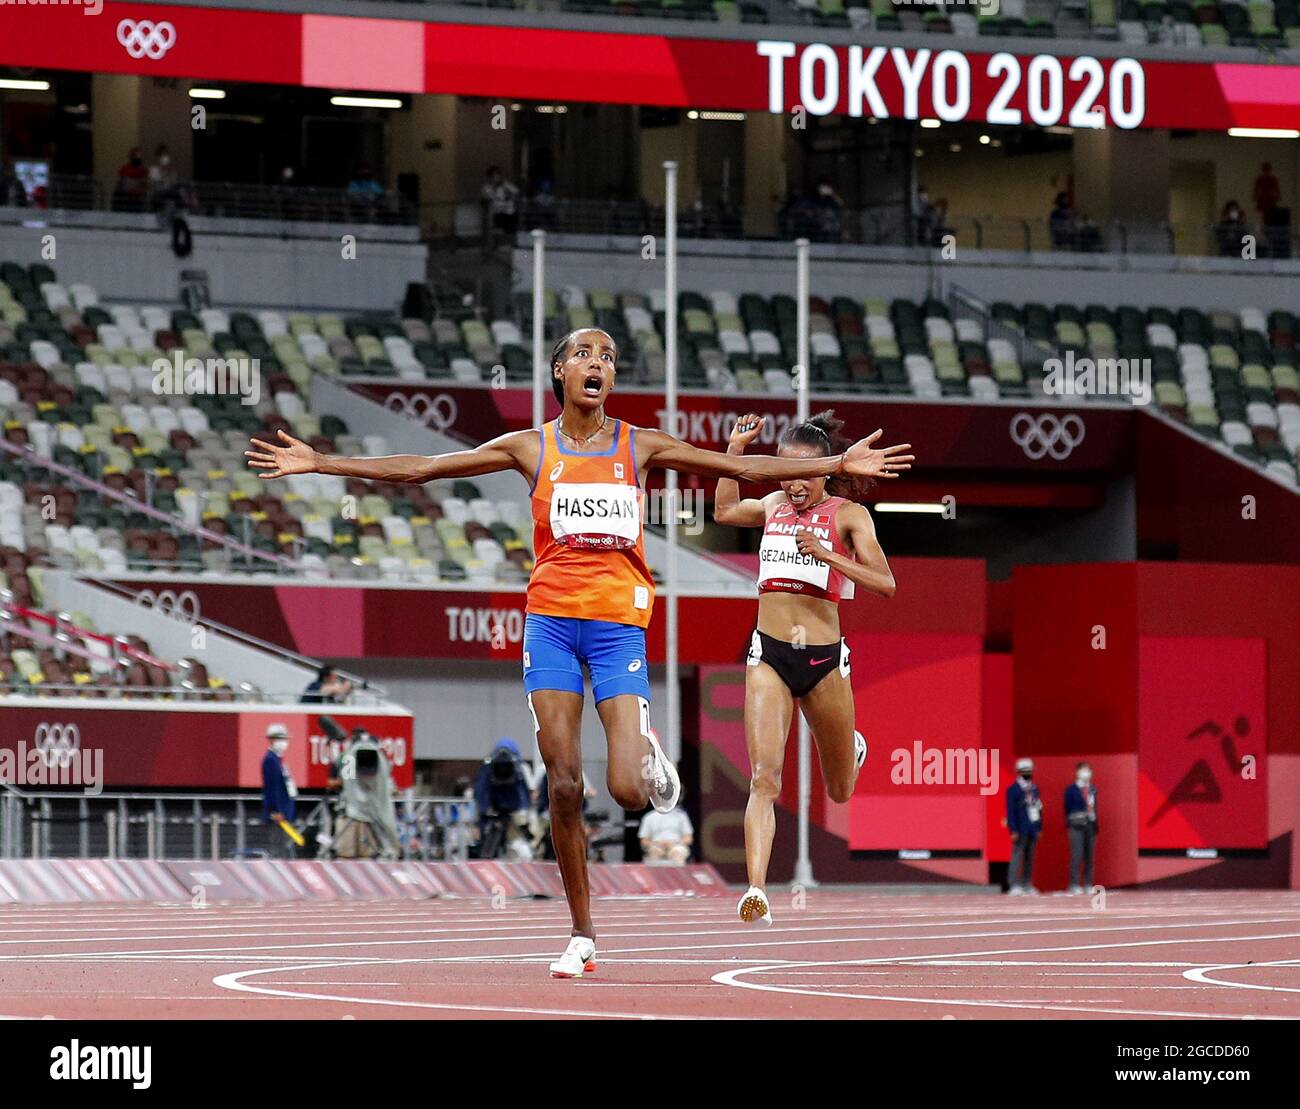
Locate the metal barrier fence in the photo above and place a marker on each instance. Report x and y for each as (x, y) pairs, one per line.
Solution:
(43, 824)
(229, 199)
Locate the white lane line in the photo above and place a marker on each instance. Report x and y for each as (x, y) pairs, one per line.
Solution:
(1202, 974)
(236, 981)
(732, 978)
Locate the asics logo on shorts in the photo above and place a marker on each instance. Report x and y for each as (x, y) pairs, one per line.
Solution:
(634, 666)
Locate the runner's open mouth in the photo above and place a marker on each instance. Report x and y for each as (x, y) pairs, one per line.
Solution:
(592, 385)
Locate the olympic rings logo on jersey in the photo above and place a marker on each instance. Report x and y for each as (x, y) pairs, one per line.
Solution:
(182, 606)
(146, 39)
(1040, 436)
(57, 743)
(437, 412)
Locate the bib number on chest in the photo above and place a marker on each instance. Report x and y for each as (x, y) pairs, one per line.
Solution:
(596, 516)
(779, 560)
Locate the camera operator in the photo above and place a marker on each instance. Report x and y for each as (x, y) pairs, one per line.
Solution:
(501, 794)
(367, 820)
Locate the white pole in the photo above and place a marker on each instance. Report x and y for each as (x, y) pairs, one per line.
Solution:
(803, 874)
(541, 372)
(541, 381)
(673, 722)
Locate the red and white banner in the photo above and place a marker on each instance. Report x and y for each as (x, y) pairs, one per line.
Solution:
(870, 80)
(175, 746)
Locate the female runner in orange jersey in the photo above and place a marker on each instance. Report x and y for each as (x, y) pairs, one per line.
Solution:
(590, 594)
(818, 543)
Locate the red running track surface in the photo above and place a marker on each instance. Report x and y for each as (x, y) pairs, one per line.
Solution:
(836, 954)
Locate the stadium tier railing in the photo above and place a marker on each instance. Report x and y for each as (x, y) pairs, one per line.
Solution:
(42, 824)
(229, 199)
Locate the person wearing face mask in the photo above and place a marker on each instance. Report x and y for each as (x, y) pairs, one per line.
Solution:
(1081, 823)
(279, 793)
(1230, 230)
(1024, 822)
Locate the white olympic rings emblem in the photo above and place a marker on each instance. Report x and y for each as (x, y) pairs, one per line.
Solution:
(58, 743)
(437, 412)
(146, 39)
(179, 606)
(1043, 435)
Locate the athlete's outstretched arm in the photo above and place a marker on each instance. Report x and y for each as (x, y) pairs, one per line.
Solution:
(658, 448)
(728, 508)
(514, 451)
(869, 568)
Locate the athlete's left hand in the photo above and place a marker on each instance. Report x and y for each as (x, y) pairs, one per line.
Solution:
(811, 546)
(864, 460)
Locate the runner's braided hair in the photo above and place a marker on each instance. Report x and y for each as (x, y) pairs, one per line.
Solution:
(561, 349)
(822, 432)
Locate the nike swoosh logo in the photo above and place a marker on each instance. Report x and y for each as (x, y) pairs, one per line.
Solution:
(819, 661)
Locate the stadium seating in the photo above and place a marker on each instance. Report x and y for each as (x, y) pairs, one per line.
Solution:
(61, 654)
(77, 392)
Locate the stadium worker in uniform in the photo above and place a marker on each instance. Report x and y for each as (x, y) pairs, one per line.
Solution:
(279, 793)
(1025, 823)
(817, 545)
(590, 594)
(1081, 826)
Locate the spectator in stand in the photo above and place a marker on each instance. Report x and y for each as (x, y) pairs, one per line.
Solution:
(1024, 822)
(1230, 231)
(132, 183)
(500, 199)
(1081, 824)
(1268, 193)
(328, 688)
(828, 206)
(279, 793)
(12, 191)
(666, 837)
(364, 186)
(1060, 223)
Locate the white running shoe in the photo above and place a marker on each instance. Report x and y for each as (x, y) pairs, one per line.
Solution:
(753, 907)
(859, 750)
(579, 958)
(665, 785)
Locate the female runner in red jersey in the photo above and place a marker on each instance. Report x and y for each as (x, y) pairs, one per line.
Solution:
(817, 545)
(590, 594)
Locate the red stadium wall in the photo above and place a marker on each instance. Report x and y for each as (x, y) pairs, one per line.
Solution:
(1199, 663)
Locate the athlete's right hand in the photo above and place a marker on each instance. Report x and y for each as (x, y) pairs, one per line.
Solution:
(293, 457)
(864, 460)
(745, 432)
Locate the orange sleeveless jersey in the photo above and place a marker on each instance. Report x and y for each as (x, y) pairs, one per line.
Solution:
(589, 551)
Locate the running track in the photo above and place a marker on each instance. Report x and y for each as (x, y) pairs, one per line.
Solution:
(842, 954)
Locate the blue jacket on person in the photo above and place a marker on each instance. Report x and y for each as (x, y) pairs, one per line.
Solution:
(500, 785)
(275, 788)
(1076, 802)
(1018, 802)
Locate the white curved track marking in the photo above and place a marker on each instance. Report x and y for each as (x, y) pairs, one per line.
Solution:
(236, 982)
(733, 978)
(1202, 975)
